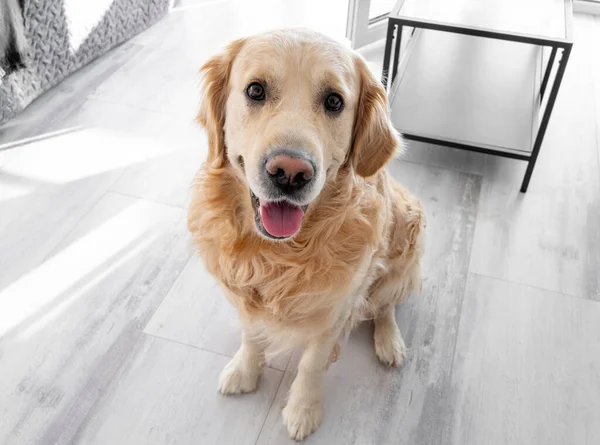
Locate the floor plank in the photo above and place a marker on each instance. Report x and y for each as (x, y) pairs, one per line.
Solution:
(48, 185)
(166, 393)
(195, 312)
(547, 237)
(367, 403)
(66, 326)
(166, 179)
(527, 367)
(166, 174)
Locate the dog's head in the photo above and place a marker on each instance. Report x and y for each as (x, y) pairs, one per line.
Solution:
(289, 110)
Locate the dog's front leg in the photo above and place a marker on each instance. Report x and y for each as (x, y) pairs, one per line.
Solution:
(304, 412)
(243, 371)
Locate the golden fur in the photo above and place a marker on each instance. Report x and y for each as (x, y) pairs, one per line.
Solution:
(358, 251)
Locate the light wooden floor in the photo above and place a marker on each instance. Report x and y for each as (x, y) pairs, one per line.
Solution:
(111, 331)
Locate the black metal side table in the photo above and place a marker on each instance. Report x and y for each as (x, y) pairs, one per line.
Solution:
(478, 75)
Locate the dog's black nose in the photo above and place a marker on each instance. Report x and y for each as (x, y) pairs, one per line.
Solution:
(289, 173)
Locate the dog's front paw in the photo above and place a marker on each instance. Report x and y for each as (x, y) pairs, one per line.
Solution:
(301, 420)
(238, 378)
(390, 347)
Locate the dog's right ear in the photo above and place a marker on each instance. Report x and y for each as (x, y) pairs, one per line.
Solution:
(214, 90)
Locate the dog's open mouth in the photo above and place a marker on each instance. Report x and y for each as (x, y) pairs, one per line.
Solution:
(277, 219)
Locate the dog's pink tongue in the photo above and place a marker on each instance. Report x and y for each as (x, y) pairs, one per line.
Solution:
(281, 219)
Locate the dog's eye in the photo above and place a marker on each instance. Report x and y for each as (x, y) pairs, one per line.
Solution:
(255, 91)
(334, 102)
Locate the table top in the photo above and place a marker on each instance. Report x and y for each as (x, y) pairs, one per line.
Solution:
(548, 19)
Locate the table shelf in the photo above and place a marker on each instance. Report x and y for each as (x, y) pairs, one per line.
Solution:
(467, 90)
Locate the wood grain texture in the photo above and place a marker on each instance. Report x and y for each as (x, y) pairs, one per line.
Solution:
(527, 367)
(367, 403)
(195, 312)
(67, 325)
(165, 394)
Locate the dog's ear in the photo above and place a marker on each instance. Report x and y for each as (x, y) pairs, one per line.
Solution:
(214, 92)
(374, 140)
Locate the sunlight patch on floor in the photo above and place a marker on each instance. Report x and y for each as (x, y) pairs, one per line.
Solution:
(91, 258)
(12, 191)
(82, 154)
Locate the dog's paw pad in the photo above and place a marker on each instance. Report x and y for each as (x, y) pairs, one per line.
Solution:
(234, 379)
(390, 350)
(302, 420)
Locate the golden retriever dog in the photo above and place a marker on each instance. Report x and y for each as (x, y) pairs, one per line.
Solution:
(294, 213)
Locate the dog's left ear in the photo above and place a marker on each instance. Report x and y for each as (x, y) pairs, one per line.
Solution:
(215, 84)
(374, 139)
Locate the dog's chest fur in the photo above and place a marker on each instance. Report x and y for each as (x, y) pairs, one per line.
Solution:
(301, 282)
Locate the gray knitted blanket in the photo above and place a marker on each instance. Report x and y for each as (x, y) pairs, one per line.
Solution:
(64, 35)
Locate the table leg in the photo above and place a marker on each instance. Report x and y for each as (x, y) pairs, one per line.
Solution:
(388, 52)
(397, 53)
(547, 73)
(562, 65)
